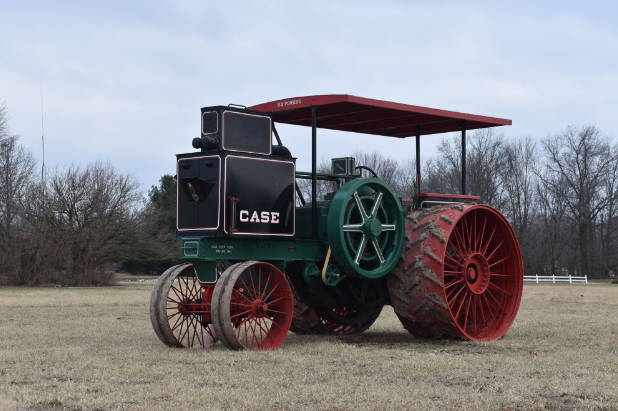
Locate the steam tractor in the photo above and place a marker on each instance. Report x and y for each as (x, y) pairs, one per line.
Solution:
(259, 259)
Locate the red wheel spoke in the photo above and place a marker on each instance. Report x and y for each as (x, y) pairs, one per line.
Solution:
(496, 249)
(185, 280)
(181, 333)
(252, 289)
(463, 287)
(453, 272)
(177, 323)
(173, 315)
(467, 314)
(483, 318)
(194, 329)
(455, 248)
(253, 332)
(174, 302)
(277, 300)
(449, 285)
(467, 232)
(259, 288)
(494, 298)
(177, 292)
(246, 328)
(238, 303)
(273, 288)
(498, 262)
(258, 324)
(474, 310)
(270, 310)
(456, 262)
(489, 241)
(480, 243)
(499, 275)
(199, 332)
(246, 288)
(245, 320)
(495, 314)
(463, 301)
(460, 241)
(273, 322)
(491, 284)
(262, 329)
(240, 314)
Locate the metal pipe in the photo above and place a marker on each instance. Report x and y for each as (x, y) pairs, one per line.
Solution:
(418, 159)
(463, 157)
(314, 156)
(276, 135)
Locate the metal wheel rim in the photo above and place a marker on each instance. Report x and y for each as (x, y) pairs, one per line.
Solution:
(482, 274)
(181, 330)
(386, 242)
(254, 308)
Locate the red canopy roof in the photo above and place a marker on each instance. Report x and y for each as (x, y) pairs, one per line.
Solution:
(368, 116)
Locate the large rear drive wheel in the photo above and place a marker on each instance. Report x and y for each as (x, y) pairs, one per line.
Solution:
(461, 274)
(170, 314)
(252, 306)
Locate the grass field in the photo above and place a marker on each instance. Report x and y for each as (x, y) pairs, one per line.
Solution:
(94, 349)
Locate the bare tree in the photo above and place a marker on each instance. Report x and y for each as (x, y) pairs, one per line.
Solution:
(88, 218)
(582, 157)
(518, 176)
(552, 219)
(608, 217)
(16, 171)
(386, 168)
(484, 158)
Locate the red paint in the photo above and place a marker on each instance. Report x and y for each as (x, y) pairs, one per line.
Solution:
(369, 116)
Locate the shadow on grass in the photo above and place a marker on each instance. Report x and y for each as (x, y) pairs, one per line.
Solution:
(395, 340)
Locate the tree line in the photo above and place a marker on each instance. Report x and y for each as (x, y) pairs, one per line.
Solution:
(77, 224)
(559, 194)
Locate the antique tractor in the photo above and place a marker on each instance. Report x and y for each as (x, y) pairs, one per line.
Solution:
(260, 260)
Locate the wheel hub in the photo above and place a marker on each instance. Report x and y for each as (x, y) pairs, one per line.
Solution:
(259, 308)
(182, 307)
(372, 227)
(476, 270)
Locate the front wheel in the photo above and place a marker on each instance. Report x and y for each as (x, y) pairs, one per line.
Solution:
(173, 320)
(252, 306)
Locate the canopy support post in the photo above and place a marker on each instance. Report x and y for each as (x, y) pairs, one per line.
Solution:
(418, 159)
(314, 204)
(463, 157)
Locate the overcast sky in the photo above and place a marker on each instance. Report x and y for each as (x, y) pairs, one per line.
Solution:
(125, 80)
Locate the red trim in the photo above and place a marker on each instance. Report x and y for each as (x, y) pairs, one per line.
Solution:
(369, 116)
(178, 195)
(293, 197)
(447, 196)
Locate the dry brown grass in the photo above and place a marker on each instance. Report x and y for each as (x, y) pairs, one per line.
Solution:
(93, 348)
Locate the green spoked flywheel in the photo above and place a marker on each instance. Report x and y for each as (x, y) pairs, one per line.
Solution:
(366, 228)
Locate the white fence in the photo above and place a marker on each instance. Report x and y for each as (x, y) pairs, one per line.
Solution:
(556, 279)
